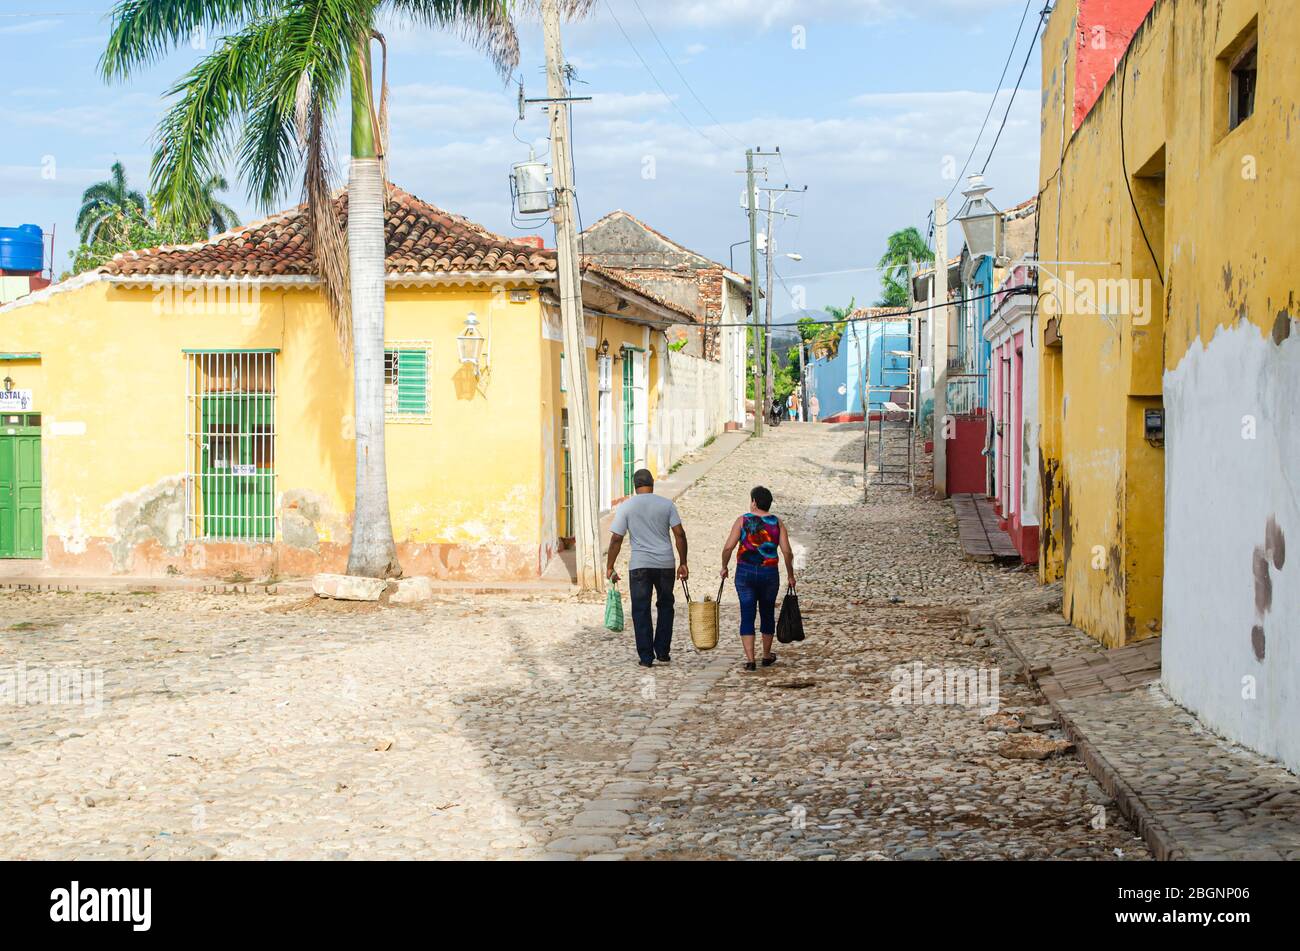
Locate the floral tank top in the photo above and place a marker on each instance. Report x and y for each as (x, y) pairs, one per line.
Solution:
(760, 538)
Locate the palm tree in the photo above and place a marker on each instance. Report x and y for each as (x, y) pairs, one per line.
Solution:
(828, 335)
(216, 215)
(904, 247)
(104, 203)
(271, 84)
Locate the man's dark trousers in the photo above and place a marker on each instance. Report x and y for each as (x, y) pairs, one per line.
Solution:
(652, 640)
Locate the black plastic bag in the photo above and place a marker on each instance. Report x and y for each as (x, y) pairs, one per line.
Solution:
(789, 625)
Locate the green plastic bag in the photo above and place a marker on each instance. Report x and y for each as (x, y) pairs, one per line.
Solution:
(614, 609)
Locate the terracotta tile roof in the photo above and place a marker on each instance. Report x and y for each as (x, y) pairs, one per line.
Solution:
(420, 238)
(874, 313)
(625, 277)
(620, 213)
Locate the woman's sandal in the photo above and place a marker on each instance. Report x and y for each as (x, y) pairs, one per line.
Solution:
(769, 660)
(751, 666)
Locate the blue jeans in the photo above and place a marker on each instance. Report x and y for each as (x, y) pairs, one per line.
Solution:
(757, 588)
(652, 641)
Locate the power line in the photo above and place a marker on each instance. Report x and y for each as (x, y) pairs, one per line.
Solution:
(1128, 182)
(685, 81)
(1012, 101)
(671, 101)
(900, 314)
(997, 91)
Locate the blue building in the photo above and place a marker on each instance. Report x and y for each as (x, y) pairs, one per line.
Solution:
(865, 357)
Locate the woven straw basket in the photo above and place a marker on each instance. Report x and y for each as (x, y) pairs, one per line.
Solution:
(704, 620)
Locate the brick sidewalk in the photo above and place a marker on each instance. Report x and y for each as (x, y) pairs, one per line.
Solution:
(1190, 794)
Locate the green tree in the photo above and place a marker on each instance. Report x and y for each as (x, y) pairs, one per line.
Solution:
(127, 231)
(903, 247)
(827, 335)
(270, 86)
(108, 205)
(213, 214)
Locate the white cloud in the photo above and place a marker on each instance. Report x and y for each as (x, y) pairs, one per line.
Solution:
(876, 167)
(24, 27)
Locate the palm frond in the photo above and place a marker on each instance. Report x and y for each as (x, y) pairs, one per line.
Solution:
(222, 217)
(194, 135)
(329, 243)
(484, 24)
(143, 31)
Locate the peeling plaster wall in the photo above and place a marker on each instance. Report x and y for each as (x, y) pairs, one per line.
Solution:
(466, 485)
(1233, 504)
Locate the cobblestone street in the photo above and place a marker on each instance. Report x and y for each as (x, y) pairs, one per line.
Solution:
(491, 727)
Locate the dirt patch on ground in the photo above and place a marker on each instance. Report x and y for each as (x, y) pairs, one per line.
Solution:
(315, 605)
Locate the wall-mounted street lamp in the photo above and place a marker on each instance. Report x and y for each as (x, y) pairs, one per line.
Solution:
(469, 345)
(980, 221)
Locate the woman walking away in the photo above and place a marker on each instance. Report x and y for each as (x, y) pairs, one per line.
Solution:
(760, 536)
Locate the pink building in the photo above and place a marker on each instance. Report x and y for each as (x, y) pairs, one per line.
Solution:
(1013, 406)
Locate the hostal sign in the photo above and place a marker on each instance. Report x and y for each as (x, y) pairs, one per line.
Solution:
(15, 401)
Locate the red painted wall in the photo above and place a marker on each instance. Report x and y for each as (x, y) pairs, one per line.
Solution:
(966, 462)
(1102, 34)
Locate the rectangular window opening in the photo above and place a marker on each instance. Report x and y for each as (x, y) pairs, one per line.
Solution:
(406, 382)
(230, 485)
(1245, 73)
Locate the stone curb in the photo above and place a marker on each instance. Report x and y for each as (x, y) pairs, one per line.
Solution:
(593, 834)
(1162, 844)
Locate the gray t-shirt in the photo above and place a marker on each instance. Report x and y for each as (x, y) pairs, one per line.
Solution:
(649, 520)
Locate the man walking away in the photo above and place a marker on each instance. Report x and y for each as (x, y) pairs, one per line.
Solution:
(654, 525)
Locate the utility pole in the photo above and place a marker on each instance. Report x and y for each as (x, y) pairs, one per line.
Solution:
(939, 342)
(772, 213)
(582, 457)
(750, 195)
(767, 311)
(803, 382)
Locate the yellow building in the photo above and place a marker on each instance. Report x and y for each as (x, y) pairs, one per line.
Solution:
(1170, 386)
(186, 410)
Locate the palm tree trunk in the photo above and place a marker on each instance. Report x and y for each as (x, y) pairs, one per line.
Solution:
(373, 552)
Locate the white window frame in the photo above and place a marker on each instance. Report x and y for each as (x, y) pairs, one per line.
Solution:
(390, 414)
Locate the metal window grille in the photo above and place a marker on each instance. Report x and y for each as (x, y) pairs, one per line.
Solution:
(407, 396)
(629, 422)
(568, 474)
(230, 487)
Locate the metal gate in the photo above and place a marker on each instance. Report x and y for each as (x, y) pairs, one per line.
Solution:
(230, 446)
(635, 422)
(629, 423)
(21, 533)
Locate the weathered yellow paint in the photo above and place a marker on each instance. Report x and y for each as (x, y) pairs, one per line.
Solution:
(476, 491)
(1210, 201)
(618, 333)
(465, 488)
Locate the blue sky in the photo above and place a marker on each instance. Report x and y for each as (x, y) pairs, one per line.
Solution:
(871, 101)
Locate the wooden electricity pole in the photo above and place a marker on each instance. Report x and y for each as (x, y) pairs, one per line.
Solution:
(582, 456)
(756, 296)
(767, 296)
(939, 343)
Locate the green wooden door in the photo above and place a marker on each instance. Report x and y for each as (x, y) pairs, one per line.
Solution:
(21, 533)
(238, 475)
(629, 422)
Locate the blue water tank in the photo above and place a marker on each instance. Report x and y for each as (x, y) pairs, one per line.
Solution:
(22, 249)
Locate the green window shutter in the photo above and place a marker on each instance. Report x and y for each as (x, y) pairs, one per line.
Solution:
(413, 382)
